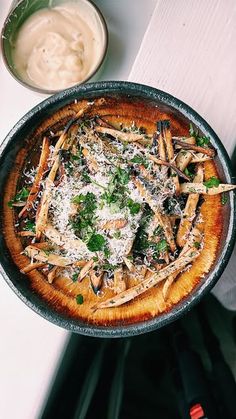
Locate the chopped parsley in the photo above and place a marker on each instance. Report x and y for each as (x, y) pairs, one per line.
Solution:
(134, 207)
(78, 157)
(85, 177)
(140, 160)
(69, 167)
(96, 243)
(47, 252)
(29, 226)
(224, 198)
(19, 197)
(197, 245)
(116, 189)
(109, 267)
(189, 171)
(79, 299)
(212, 182)
(201, 141)
(122, 176)
(161, 246)
(74, 277)
(158, 230)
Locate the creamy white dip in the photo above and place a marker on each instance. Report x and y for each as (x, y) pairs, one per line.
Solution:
(58, 47)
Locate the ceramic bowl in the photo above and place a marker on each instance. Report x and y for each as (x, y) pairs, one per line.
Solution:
(151, 98)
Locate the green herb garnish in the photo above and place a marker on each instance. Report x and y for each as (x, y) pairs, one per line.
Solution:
(29, 226)
(116, 189)
(224, 198)
(122, 176)
(85, 177)
(79, 299)
(47, 252)
(158, 230)
(108, 267)
(134, 207)
(188, 171)
(19, 197)
(161, 246)
(96, 243)
(78, 157)
(212, 182)
(140, 160)
(197, 245)
(200, 140)
(74, 277)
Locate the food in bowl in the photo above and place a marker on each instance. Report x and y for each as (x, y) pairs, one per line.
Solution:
(114, 210)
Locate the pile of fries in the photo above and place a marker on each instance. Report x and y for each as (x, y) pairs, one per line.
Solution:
(152, 195)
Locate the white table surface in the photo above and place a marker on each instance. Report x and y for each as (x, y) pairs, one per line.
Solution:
(30, 346)
(187, 48)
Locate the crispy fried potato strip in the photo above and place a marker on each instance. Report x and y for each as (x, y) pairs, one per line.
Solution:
(42, 166)
(189, 211)
(200, 188)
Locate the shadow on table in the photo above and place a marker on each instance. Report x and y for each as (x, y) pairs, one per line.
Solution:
(161, 374)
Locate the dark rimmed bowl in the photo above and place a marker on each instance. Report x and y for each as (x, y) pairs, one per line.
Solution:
(13, 143)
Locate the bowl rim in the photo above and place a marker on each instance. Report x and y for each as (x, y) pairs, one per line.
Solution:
(129, 88)
(49, 91)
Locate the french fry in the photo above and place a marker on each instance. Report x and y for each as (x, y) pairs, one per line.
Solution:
(44, 245)
(129, 264)
(55, 237)
(161, 147)
(46, 256)
(199, 188)
(26, 233)
(189, 211)
(166, 134)
(119, 281)
(80, 263)
(168, 164)
(42, 166)
(52, 274)
(200, 158)
(92, 163)
(96, 280)
(183, 159)
(32, 266)
(128, 137)
(186, 140)
(208, 151)
(114, 224)
(64, 135)
(165, 223)
(41, 219)
(86, 269)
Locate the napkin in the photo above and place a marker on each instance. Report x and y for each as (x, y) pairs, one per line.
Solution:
(189, 51)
